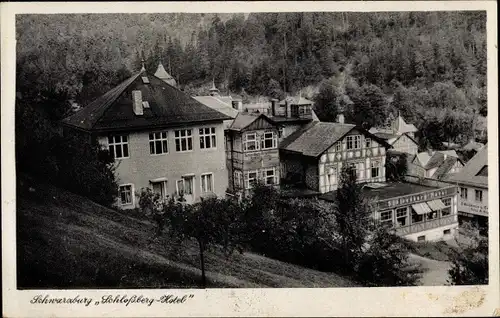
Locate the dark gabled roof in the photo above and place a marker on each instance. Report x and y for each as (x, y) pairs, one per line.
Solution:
(243, 120)
(445, 167)
(317, 137)
(469, 173)
(168, 106)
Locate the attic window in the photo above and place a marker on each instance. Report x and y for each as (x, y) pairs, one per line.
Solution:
(145, 80)
(483, 172)
(145, 104)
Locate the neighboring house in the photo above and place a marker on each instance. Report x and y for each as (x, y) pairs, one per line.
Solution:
(473, 183)
(399, 134)
(419, 210)
(399, 126)
(291, 114)
(160, 138)
(434, 164)
(315, 155)
(402, 143)
(252, 152)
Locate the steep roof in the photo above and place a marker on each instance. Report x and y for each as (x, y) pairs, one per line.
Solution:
(445, 167)
(161, 73)
(168, 106)
(218, 104)
(243, 120)
(402, 127)
(316, 137)
(469, 173)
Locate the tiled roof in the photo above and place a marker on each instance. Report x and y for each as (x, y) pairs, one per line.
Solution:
(218, 104)
(243, 120)
(444, 168)
(315, 138)
(168, 107)
(468, 174)
(439, 157)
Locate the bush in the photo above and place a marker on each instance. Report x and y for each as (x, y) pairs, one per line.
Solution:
(73, 161)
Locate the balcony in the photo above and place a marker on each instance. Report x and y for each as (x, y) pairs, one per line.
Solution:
(427, 225)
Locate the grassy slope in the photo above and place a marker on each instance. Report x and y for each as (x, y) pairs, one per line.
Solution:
(65, 240)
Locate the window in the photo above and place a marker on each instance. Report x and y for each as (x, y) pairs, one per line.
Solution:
(415, 217)
(463, 193)
(185, 186)
(250, 179)
(431, 215)
(160, 188)
(386, 218)
(207, 138)
(118, 146)
(158, 143)
(251, 142)
(402, 216)
(126, 194)
(446, 201)
(368, 143)
(421, 238)
(375, 165)
(183, 140)
(238, 179)
(338, 146)
(295, 110)
(446, 211)
(305, 110)
(479, 196)
(353, 142)
(447, 232)
(269, 141)
(207, 183)
(269, 176)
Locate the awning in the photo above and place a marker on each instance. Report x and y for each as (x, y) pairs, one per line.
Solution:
(421, 208)
(436, 205)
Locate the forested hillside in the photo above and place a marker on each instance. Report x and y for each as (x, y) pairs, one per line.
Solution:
(378, 62)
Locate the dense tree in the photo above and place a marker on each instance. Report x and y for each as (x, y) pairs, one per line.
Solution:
(370, 107)
(295, 49)
(352, 216)
(470, 265)
(385, 262)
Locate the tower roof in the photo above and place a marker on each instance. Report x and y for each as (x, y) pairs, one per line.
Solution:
(162, 74)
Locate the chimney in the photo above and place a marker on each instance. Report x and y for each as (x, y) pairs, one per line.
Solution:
(340, 118)
(288, 108)
(274, 105)
(237, 104)
(137, 102)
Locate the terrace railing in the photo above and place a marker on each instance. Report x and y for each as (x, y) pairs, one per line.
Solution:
(427, 225)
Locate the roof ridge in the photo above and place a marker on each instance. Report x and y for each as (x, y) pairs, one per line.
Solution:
(129, 82)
